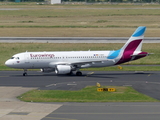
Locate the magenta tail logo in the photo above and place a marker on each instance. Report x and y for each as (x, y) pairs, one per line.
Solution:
(132, 49)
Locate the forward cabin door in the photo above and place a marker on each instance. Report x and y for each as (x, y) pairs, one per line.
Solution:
(26, 56)
(27, 60)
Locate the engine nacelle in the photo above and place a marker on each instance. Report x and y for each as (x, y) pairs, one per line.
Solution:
(63, 69)
(47, 70)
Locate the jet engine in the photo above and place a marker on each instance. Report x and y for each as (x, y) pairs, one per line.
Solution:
(47, 70)
(63, 69)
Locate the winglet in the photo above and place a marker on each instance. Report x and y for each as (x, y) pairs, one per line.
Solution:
(139, 31)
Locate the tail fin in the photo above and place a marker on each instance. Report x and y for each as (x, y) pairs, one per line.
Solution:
(132, 48)
(135, 41)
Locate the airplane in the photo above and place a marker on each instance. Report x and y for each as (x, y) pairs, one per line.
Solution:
(65, 62)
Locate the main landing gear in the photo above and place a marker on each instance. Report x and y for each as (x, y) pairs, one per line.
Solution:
(79, 73)
(25, 72)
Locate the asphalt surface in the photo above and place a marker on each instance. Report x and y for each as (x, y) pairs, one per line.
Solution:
(144, 82)
(73, 39)
(106, 111)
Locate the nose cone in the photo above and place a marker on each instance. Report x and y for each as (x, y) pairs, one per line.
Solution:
(8, 63)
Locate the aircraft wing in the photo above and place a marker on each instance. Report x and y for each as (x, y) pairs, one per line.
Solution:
(83, 62)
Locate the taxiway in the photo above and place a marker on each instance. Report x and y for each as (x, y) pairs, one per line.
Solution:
(144, 82)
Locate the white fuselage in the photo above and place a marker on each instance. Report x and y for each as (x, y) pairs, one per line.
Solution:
(36, 60)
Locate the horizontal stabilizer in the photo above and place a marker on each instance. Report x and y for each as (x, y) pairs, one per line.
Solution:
(139, 55)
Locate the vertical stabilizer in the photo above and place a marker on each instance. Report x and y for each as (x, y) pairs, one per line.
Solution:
(135, 41)
(132, 48)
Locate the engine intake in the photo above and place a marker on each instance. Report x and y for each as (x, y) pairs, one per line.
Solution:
(63, 69)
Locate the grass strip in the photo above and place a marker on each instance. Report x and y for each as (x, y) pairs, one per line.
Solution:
(88, 94)
(9, 49)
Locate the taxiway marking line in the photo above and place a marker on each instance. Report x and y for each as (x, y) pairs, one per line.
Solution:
(71, 84)
(88, 74)
(50, 85)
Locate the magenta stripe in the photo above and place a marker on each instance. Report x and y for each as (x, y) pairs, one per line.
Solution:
(133, 45)
(129, 50)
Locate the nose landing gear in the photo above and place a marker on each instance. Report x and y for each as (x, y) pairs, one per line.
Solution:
(25, 72)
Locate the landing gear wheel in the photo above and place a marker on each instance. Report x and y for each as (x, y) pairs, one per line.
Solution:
(24, 74)
(79, 73)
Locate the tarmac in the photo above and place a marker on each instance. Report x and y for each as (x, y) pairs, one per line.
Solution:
(13, 109)
(13, 84)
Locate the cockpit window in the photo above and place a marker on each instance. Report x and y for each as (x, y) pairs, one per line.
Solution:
(15, 58)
